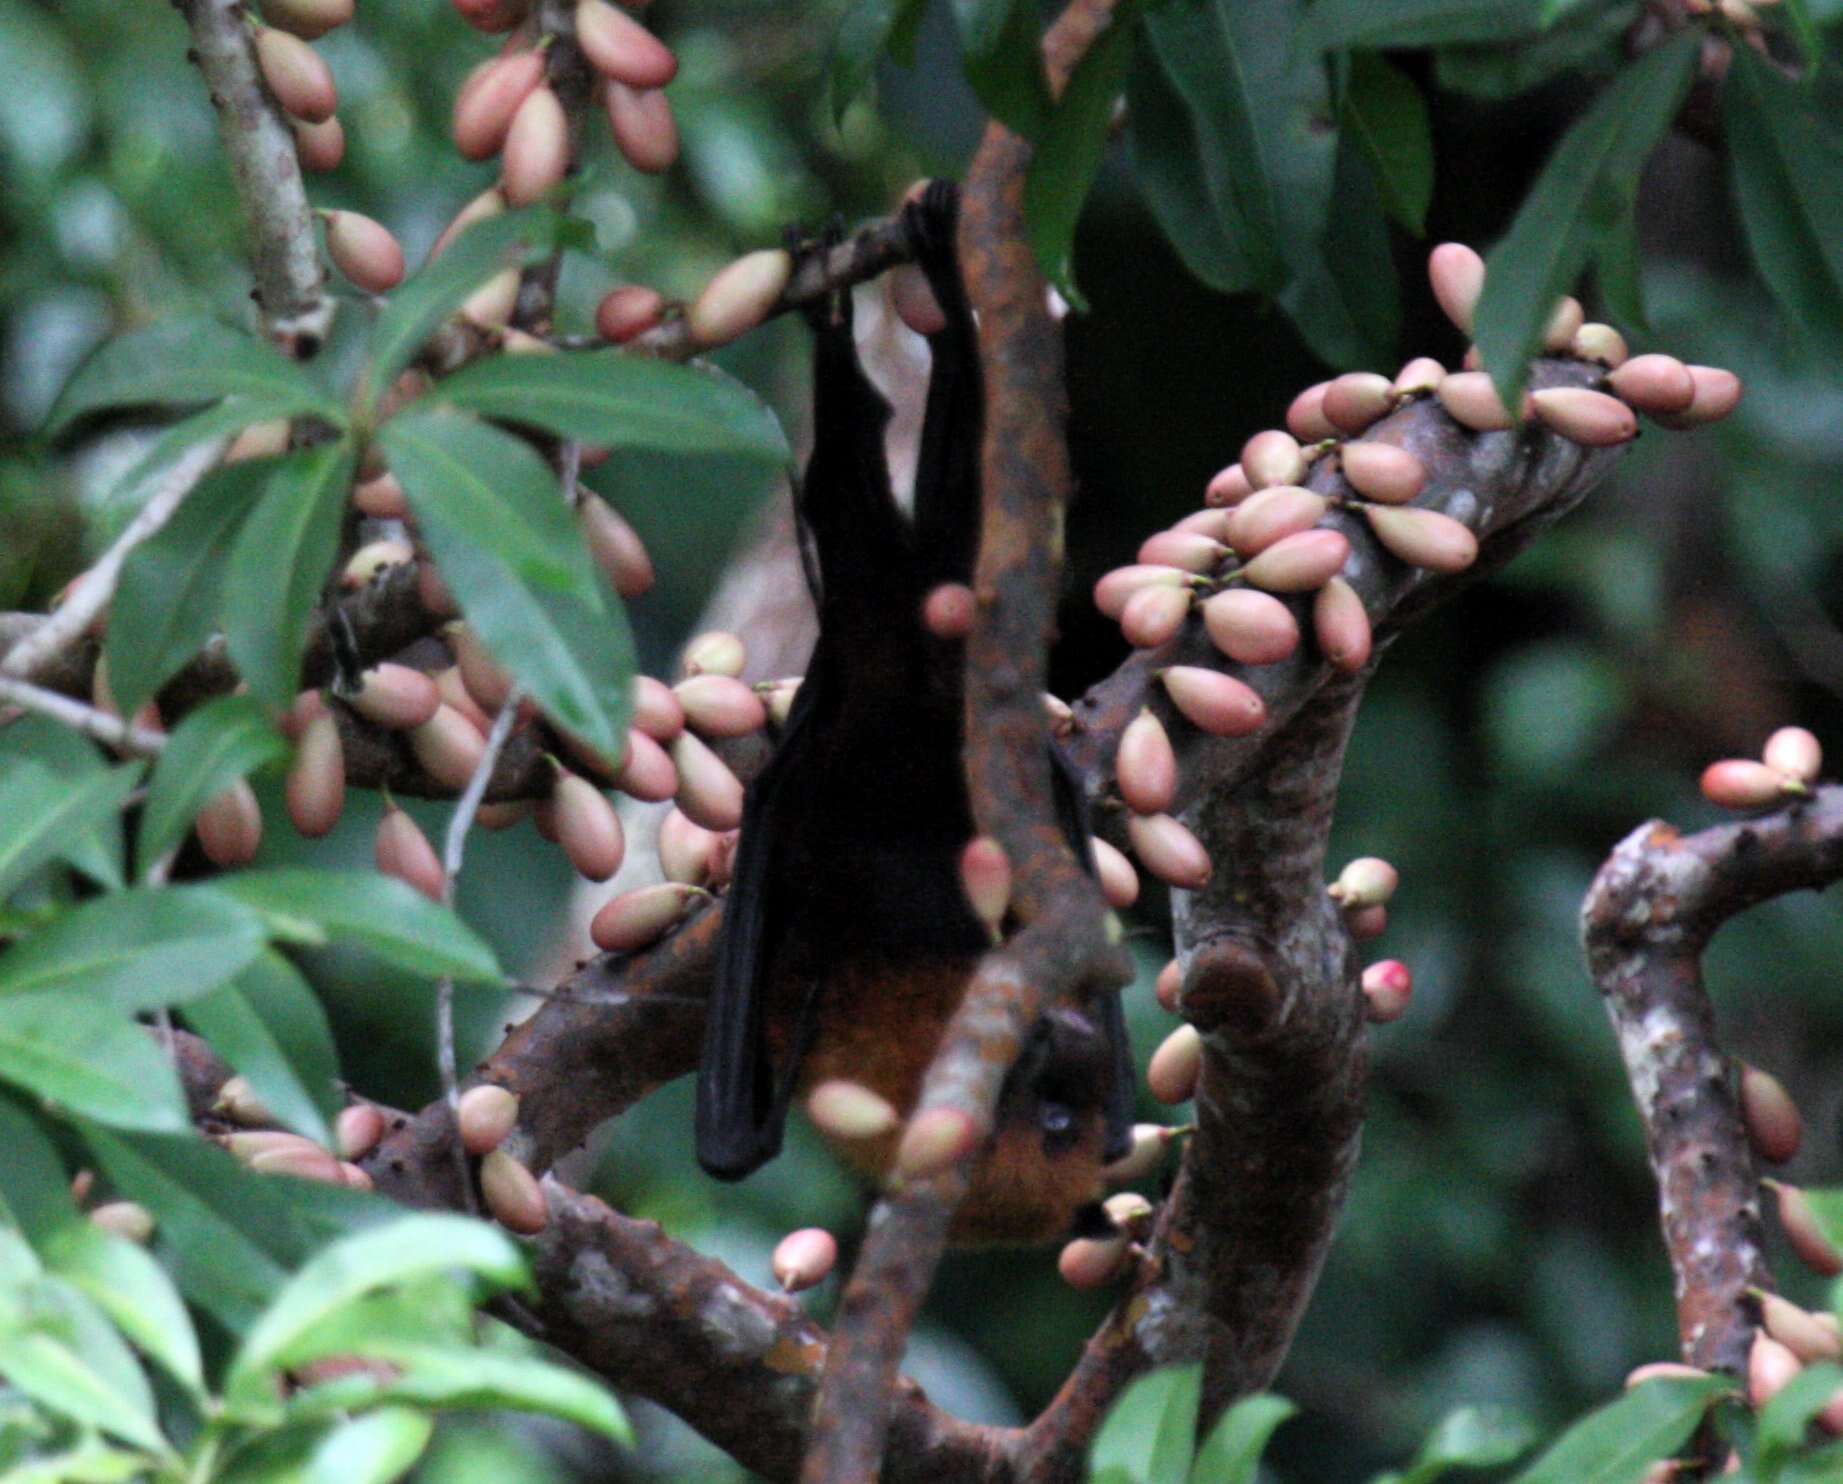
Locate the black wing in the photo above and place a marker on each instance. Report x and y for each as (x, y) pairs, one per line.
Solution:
(1072, 815)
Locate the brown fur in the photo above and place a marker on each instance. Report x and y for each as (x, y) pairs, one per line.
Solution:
(1021, 1195)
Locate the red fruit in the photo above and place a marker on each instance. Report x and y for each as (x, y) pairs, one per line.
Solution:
(627, 312)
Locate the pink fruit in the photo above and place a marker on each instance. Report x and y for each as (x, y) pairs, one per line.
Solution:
(1213, 702)
(1271, 515)
(1171, 1075)
(1341, 625)
(644, 130)
(1357, 399)
(1381, 471)
(636, 919)
(619, 47)
(1300, 563)
(1458, 278)
(627, 312)
(1145, 767)
(1250, 627)
(804, 1258)
(1424, 538)
(1168, 850)
(537, 148)
(403, 851)
(297, 75)
(1153, 615)
(1272, 457)
(1305, 418)
(490, 98)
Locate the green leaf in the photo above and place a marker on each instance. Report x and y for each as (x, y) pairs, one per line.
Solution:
(134, 950)
(375, 1449)
(1185, 180)
(167, 604)
(1805, 34)
(53, 1375)
(1587, 44)
(433, 1312)
(1337, 25)
(623, 401)
(44, 813)
(228, 1233)
(134, 1291)
(187, 360)
(1827, 1210)
(1195, 44)
(227, 418)
(1818, 1466)
(1232, 1452)
(862, 36)
(1150, 1433)
(279, 565)
(36, 1193)
(1386, 116)
(269, 1025)
(1585, 191)
(1000, 48)
(1621, 274)
(39, 741)
(1785, 1418)
(414, 310)
(88, 1059)
(90, 1461)
(222, 741)
(1469, 1438)
(490, 511)
(452, 1377)
(1345, 299)
(1068, 153)
(391, 919)
(1787, 167)
(1262, 113)
(1614, 1444)
(406, 1250)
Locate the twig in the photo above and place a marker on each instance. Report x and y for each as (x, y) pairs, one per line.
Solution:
(454, 845)
(92, 721)
(96, 587)
(290, 279)
(1646, 921)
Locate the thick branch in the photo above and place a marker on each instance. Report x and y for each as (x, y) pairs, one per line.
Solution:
(1651, 912)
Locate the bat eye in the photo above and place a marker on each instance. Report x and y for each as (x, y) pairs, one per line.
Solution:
(1059, 1125)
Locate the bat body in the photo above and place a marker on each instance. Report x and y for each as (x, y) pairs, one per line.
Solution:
(847, 939)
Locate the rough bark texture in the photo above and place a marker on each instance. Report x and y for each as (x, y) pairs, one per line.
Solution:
(1653, 908)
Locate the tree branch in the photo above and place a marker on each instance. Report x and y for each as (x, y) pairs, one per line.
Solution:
(290, 279)
(1646, 921)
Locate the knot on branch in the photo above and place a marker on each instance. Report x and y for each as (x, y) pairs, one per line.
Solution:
(1229, 987)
